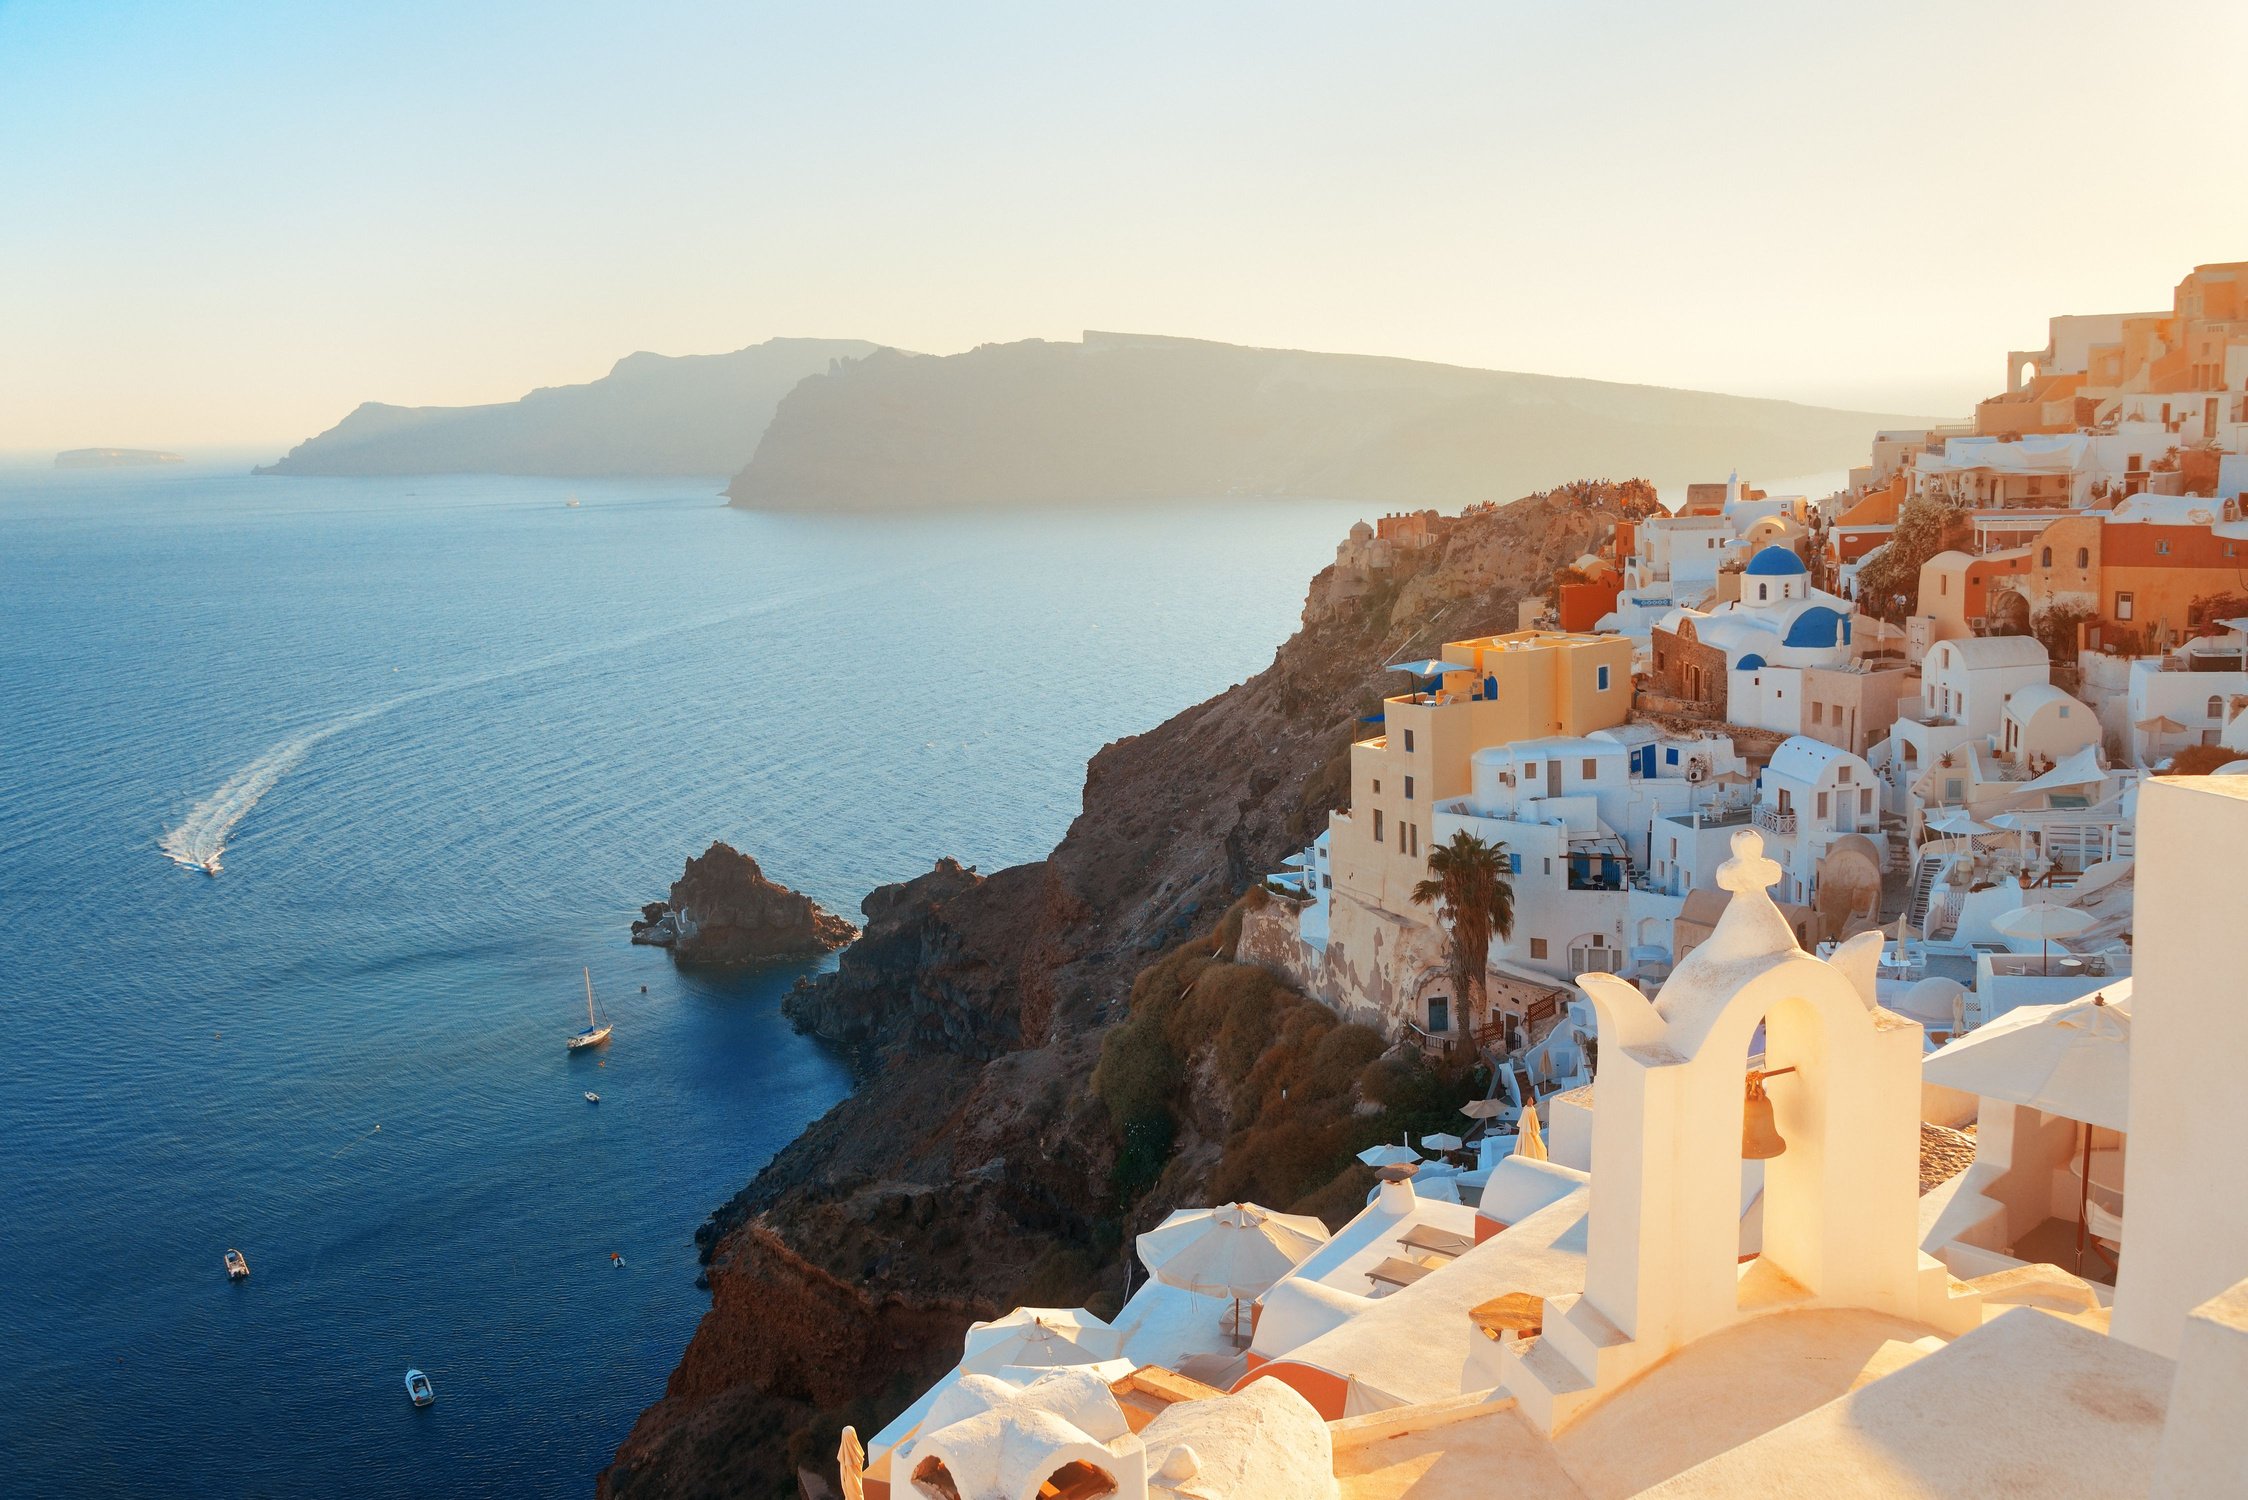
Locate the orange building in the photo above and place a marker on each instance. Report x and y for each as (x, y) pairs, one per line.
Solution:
(2147, 571)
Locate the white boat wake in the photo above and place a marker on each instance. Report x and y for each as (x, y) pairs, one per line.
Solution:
(200, 838)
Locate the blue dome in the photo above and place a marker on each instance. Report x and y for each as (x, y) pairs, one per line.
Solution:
(1750, 663)
(1816, 626)
(1777, 562)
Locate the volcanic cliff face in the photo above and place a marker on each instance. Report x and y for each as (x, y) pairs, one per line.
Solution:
(727, 912)
(973, 1171)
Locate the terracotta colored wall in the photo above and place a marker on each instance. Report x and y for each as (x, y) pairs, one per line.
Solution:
(1326, 1393)
(1583, 604)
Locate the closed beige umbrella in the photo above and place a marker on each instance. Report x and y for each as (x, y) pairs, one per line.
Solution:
(1530, 1143)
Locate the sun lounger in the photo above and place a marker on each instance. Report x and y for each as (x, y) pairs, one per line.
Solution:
(1395, 1272)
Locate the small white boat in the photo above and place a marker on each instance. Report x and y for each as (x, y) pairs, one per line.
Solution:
(591, 1097)
(237, 1269)
(418, 1388)
(211, 865)
(596, 1030)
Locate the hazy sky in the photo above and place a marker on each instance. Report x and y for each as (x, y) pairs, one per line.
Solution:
(228, 223)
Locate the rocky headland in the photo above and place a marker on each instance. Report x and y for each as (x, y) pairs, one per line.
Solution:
(651, 414)
(1054, 1055)
(724, 910)
(1122, 420)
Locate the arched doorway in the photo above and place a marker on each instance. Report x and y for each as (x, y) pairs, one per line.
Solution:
(2008, 614)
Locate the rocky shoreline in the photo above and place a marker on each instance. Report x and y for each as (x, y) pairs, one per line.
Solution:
(723, 910)
(983, 1164)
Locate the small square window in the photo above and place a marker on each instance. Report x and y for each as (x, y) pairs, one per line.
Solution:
(1592, 770)
(1604, 679)
(1537, 947)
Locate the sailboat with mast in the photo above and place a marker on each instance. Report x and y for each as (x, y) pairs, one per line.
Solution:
(596, 1027)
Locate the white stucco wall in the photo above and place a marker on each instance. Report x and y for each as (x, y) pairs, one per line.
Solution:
(2186, 1218)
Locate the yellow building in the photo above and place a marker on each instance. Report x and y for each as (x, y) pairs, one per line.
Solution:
(1521, 686)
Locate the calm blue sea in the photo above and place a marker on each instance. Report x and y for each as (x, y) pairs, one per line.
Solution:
(444, 736)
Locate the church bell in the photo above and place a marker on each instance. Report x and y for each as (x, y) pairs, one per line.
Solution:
(1760, 1136)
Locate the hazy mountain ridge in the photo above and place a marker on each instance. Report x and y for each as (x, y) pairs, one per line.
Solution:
(1123, 417)
(651, 414)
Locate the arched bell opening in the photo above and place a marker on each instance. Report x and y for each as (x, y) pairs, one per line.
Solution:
(1783, 1146)
(1077, 1481)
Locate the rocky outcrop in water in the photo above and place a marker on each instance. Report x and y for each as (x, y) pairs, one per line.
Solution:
(974, 1170)
(723, 910)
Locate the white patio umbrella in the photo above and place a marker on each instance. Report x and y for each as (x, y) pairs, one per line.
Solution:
(1442, 1140)
(1388, 1156)
(2045, 923)
(2157, 727)
(1236, 1251)
(1479, 1109)
(1218, 1251)
(1039, 1336)
(2071, 1060)
(1958, 824)
(1429, 666)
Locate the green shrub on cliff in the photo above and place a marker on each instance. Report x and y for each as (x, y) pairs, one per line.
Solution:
(1229, 1051)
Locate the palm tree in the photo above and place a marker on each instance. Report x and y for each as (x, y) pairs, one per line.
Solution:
(1469, 877)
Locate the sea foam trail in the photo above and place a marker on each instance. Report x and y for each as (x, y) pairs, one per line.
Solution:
(200, 838)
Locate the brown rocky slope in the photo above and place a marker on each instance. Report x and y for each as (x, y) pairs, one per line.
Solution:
(977, 1169)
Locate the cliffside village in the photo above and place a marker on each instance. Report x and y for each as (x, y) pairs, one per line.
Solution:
(1824, 821)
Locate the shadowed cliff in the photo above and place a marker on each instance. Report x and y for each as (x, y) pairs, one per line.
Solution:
(651, 414)
(1054, 1055)
(1120, 418)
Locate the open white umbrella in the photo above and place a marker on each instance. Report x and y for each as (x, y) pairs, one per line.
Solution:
(1482, 1109)
(1442, 1140)
(2045, 923)
(2071, 1060)
(2156, 727)
(1430, 666)
(1236, 1251)
(1039, 1336)
(1388, 1156)
(1958, 824)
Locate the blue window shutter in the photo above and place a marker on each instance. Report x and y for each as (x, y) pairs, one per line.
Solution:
(1514, 864)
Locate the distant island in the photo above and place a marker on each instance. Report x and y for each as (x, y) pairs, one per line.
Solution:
(1124, 417)
(652, 414)
(113, 458)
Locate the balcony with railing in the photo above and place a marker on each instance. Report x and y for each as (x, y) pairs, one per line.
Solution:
(1773, 820)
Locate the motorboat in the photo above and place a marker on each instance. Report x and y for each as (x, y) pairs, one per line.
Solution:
(596, 1029)
(419, 1390)
(237, 1269)
(591, 1097)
